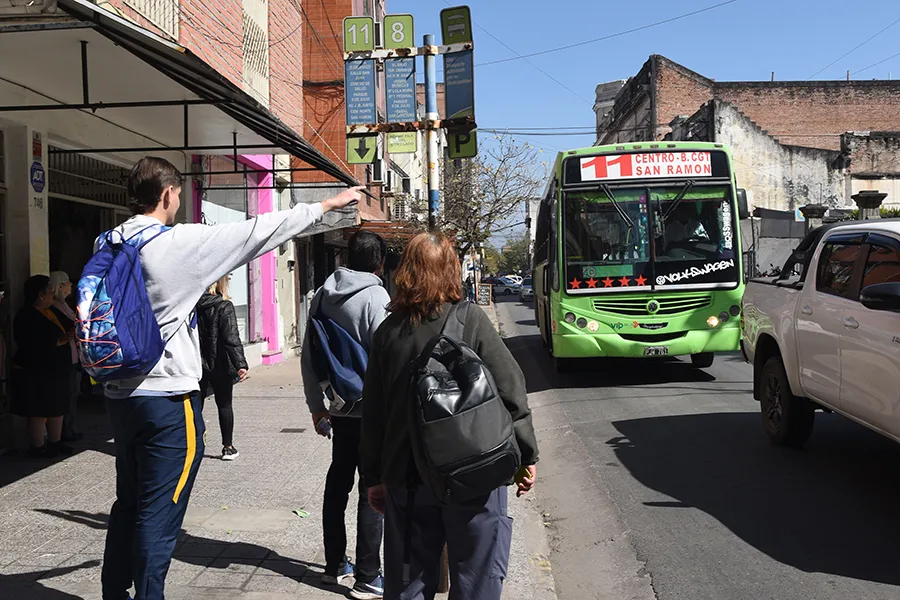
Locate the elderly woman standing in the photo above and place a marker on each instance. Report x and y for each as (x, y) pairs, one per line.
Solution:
(61, 287)
(42, 367)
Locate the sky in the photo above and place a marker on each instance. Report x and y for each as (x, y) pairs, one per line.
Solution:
(742, 40)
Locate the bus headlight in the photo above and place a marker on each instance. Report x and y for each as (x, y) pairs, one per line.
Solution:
(713, 321)
(723, 316)
(735, 310)
(570, 318)
(582, 323)
(593, 326)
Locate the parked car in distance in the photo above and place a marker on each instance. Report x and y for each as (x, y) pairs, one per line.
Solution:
(526, 292)
(825, 333)
(502, 287)
(514, 279)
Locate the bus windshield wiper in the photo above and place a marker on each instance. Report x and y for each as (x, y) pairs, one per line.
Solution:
(684, 190)
(619, 209)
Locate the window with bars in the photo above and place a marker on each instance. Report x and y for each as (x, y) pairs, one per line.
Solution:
(162, 13)
(256, 49)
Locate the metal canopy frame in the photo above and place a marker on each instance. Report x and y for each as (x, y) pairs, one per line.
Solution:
(187, 70)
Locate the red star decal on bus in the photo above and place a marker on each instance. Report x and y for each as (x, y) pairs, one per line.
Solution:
(641, 280)
(592, 283)
(625, 281)
(575, 284)
(607, 282)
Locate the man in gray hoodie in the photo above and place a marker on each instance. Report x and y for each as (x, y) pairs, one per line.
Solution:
(156, 418)
(355, 299)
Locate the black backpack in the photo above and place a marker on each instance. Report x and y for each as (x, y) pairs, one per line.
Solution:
(462, 434)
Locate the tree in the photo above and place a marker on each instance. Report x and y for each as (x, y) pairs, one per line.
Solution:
(514, 258)
(480, 195)
(491, 260)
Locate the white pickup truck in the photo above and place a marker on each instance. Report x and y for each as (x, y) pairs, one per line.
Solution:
(825, 333)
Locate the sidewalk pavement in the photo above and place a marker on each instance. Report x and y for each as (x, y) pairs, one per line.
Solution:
(241, 538)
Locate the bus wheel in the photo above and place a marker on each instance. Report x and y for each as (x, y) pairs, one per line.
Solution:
(704, 360)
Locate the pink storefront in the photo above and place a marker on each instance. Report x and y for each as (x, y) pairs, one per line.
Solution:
(234, 191)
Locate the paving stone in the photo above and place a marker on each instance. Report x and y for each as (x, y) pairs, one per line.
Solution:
(216, 578)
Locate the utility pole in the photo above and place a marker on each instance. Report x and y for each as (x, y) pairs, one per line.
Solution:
(431, 115)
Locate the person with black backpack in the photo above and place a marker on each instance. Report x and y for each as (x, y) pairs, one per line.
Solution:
(446, 426)
(344, 315)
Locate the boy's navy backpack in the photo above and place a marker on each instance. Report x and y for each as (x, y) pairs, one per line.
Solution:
(118, 335)
(464, 444)
(339, 361)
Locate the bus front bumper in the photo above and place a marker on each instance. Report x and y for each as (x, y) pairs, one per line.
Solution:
(587, 345)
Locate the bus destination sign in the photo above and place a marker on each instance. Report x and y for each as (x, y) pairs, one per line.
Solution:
(646, 165)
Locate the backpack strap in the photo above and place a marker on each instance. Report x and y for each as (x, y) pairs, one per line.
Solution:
(455, 324)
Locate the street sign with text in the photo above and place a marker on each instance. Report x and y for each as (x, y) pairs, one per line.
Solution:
(403, 142)
(359, 91)
(398, 31)
(400, 89)
(359, 34)
(462, 145)
(459, 85)
(362, 149)
(456, 25)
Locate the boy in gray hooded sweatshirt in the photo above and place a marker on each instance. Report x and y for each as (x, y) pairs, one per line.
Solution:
(355, 299)
(156, 419)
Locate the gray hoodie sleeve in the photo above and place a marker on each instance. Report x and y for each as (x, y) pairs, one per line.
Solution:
(315, 399)
(211, 252)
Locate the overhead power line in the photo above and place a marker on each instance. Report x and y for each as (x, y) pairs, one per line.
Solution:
(540, 70)
(875, 64)
(855, 48)
(608, 37)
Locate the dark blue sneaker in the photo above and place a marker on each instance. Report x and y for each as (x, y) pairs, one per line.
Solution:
(345, 570)
(368, 591)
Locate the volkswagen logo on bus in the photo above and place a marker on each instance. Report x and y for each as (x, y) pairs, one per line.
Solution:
(653, 307)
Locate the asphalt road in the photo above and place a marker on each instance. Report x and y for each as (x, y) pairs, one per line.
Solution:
(656, 480)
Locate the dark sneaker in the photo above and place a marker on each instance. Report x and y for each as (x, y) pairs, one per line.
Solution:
(42, 452)
(62, 449)
(368, 591)
(344, 571)
(230, 453)
(75, 437)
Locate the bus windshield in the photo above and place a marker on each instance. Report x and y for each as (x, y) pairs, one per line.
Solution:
(650, 237)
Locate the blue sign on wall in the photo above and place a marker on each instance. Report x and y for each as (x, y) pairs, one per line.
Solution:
(359, 88)
(400, 89)
(37, 177)
(459, 85)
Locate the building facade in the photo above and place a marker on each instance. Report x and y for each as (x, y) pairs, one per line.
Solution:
(216, 90)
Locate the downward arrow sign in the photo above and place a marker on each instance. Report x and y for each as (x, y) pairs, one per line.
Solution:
(362, 149)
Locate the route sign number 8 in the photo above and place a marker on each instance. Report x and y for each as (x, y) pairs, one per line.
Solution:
(399, 31)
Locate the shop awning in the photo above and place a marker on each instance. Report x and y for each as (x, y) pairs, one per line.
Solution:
(393, 232)
(156, 88)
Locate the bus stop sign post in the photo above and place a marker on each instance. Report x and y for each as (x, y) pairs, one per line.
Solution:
(431, 114)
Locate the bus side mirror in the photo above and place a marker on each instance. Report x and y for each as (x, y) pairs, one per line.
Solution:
(743, 207)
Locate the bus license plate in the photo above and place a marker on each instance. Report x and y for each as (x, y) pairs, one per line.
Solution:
(656, 351)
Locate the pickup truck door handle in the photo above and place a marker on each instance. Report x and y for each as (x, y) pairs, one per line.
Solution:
(850, 323)
(806, 310)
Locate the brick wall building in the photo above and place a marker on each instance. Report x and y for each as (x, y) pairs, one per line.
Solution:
(802, 113)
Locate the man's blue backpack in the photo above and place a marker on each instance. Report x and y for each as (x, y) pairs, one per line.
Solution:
(117, 332)
(339, 361)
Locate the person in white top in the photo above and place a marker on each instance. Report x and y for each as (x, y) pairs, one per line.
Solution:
(685, 226)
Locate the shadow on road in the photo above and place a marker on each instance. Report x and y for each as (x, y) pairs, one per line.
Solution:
(541, 375)
(831, 508)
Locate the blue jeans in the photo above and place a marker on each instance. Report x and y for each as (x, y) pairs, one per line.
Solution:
(159, 446)
(478, 536)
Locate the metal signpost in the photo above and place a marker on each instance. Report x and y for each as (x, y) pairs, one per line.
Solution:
(402, 126)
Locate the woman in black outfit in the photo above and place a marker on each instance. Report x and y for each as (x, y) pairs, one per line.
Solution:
(477, 532)
(42, 366)
(222, 354)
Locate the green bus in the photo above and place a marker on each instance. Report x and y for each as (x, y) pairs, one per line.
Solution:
(637, 253)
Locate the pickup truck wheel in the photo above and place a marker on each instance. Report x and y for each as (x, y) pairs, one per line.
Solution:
(788, 419)
(704, 360)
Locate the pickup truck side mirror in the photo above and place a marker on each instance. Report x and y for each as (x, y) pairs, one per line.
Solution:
(881, 296)
(743, 207)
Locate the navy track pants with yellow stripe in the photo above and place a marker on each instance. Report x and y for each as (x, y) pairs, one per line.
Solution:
(159, 446)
